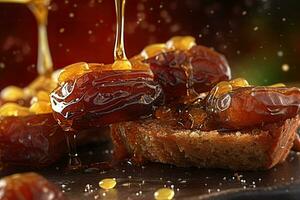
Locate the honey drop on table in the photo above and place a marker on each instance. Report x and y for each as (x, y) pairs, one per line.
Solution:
(164, 194)
(108, 183)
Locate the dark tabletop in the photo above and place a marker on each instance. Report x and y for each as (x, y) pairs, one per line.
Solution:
(140, 182)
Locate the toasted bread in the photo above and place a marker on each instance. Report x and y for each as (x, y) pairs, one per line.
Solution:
(156, 141)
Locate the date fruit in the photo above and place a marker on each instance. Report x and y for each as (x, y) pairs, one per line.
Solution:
(252, 106)
(29, 186)
(34, 140)
(182, 73)
(99, 98)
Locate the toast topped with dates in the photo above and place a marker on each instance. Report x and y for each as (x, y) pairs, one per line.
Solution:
(178, 105)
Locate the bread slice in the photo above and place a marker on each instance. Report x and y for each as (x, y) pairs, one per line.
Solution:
(156, 141)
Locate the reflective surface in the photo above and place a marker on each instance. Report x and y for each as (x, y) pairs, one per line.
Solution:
(188, 183)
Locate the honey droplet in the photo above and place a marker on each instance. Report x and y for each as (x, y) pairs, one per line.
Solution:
(278, 85)
(181, 42)
(108, 183)
(164, 194)
(40, 107)
(73, 71)
(43, 96)
(12, 93)
(122, 65)
(239, 82)
(222, 88)
(13, 109)
(153, 50)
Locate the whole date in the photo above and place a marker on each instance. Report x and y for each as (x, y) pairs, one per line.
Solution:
(99, 98)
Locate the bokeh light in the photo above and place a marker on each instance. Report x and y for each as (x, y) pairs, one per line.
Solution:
(260, 38)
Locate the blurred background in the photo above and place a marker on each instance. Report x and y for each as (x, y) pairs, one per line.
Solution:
(260, 38)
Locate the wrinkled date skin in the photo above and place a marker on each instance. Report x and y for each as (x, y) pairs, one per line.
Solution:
(35, 140)
(253, 106)
(198, 68)
(29, 186)
(101, 98)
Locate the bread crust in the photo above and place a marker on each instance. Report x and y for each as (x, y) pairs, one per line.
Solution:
(155, 141)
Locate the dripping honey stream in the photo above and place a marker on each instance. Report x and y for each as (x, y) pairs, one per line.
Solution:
(39, 8)
(120, 63)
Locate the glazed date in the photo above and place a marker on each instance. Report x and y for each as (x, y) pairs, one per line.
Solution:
(99, 98)
(180, 72)
(29, 186)
(38, 141)
(252, 106)
(34, 140)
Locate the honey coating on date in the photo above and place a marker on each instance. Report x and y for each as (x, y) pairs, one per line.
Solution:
(153, 49)
(234, 105)
(181, 43)
(12, 93)
(251, 106)
(236, 109)
(13, 109)
(278, 85)
(122, 65)
(99, 98)
(41, 107)
(40, 96)
(184, 75)
(175, 43)
(73, 71)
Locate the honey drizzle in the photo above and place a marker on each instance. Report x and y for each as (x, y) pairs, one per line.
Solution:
(120, 59)
(121, 63)
(16, 1)
(74, 160)
(40, 10)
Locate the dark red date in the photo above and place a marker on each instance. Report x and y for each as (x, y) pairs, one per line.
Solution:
(100, 98)
(180, 72)
(35, 140)
(253, 106)
(29, 186)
